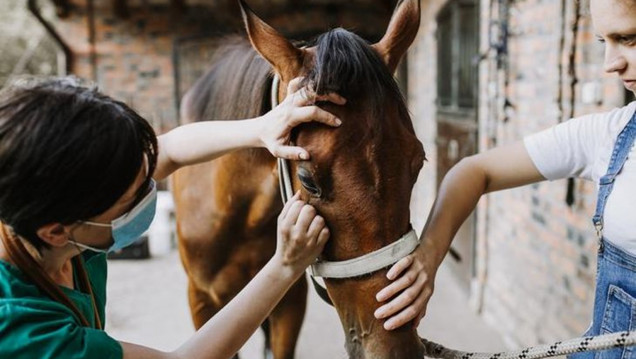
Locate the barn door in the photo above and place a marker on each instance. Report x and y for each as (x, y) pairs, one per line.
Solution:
(458, 40)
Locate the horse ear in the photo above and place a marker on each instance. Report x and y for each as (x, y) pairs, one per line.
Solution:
(400, 33)
(286, 58)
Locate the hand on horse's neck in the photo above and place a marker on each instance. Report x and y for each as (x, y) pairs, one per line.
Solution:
(56, 263)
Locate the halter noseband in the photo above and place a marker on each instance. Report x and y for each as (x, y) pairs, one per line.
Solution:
(355, 267)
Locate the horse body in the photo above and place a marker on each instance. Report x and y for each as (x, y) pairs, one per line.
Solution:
(227, 209)
(359, 178)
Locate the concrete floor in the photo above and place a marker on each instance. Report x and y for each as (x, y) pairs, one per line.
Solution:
(147, 305)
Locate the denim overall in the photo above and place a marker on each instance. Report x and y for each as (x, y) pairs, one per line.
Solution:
(614, 303)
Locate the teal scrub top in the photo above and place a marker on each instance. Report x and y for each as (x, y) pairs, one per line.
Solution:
(34, 326)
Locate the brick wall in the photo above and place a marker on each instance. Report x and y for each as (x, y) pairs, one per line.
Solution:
(132, 60)
(536, 256)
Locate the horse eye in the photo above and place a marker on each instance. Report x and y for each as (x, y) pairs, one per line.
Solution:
(307, 181)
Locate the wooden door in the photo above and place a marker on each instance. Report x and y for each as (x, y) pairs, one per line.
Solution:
(458, 44)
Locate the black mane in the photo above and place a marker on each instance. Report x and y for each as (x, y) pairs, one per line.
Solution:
(345, 63)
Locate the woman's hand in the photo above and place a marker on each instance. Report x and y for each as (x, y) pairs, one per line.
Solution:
(298, 107)
(302, 234)
(413, 281)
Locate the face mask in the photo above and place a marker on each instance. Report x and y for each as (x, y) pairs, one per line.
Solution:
(130, 226)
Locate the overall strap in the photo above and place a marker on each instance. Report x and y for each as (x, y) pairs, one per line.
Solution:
(624, 143)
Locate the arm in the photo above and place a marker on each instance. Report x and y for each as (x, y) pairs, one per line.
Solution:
(203, 141)
(462, 187)
(301, 236)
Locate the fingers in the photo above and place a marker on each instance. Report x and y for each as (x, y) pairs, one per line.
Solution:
(291, 153)
(316, 227)
(409, 313)
(409, 305)
(289, 204)
(323, 237)
(301, 96)
(295, 85)
(307, 96)
(302, 235)
(397, 286)
(411, 289)
(399, 267)
(288, 221)
(314, 113)
(399, 303)
(306, 216)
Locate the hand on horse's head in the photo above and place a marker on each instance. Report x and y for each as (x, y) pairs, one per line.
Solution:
(298, 107)
(301, 235)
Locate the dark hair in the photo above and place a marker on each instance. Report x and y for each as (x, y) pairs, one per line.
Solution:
(346, 64)
(67, 153)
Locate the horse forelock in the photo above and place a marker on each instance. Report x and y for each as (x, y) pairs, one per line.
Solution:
(346, 64)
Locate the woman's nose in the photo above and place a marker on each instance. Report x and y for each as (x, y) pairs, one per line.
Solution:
(614, 60)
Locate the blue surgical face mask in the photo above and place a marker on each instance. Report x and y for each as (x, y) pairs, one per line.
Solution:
(129, 227)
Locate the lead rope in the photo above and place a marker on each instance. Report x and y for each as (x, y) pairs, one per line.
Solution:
(571, 346)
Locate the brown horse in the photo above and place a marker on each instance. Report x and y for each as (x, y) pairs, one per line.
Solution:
(359, 178)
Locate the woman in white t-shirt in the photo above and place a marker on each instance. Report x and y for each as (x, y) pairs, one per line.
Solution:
(593, 147)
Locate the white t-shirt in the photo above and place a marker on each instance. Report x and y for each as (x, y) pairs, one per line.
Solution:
(582, 147)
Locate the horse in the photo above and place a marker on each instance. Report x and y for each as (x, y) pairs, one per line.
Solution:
(359, 178)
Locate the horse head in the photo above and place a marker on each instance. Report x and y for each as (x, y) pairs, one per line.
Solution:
(360, 175)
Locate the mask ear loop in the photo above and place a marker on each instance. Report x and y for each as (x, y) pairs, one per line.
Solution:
(32, 269)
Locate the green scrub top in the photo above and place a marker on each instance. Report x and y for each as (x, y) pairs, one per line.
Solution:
(34, 326)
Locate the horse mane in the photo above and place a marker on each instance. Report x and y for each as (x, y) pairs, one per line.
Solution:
(236, 86)
(238, 83)
(345, 63)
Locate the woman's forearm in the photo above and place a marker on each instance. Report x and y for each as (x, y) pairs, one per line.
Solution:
(301, 236)
(497, 169)
(459, 192)
(224, 334)
(203, 141)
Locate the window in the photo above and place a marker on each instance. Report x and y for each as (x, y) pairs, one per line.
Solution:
(458, 43)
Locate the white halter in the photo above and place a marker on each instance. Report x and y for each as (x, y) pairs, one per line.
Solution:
(358, 266)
